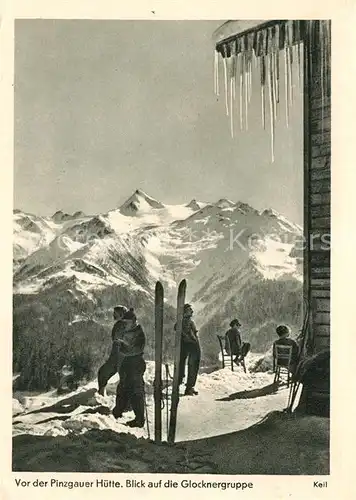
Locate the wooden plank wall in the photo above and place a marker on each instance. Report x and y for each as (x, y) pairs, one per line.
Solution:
(319, 199)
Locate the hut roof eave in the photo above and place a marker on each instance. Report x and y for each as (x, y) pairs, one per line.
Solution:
(231, 29)
(238, 36)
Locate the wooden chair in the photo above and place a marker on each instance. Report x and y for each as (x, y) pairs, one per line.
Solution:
(224, 354)
(229, 357)
(283, 358)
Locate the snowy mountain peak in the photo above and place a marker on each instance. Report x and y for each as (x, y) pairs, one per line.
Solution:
(225, 203)
(246, 208)
(283, 222)
(61, 216)
(194, 205)
(78, 214)
(139, 202)
(270, 212)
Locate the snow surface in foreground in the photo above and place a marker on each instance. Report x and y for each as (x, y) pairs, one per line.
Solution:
(198, 417)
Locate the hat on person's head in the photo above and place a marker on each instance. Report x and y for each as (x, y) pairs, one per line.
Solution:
(235, 322)
(187, 310)
(282, 330)
(130, 314)
(120, 310)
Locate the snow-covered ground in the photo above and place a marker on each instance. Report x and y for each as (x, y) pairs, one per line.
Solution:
(222, 406)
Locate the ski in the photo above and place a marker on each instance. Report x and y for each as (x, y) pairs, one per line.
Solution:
(175, 387)
(159, 297)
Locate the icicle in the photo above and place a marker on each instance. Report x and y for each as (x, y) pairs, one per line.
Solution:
(290, 61)
(288, 79)
(245, 79)
(271, 53)
(216, 73)
(299, 47)
(231, 79)
(240, 88)
(233, 69)
(250, 56)
(263, 74)
(233, 88)
(225, 80)
(296, 50)
(286, 84)
(277, 61)
(231, 109)
(248, 77)
(271, 112)
(263, 79)
(246, 90)
(273, 83)
(249, 73)
(254, 58)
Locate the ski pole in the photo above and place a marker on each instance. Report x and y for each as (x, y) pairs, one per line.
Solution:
(146, 414)
(167, 408)
(294, 395)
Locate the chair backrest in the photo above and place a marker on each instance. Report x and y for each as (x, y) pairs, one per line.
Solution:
(222, 339)
(283, 354)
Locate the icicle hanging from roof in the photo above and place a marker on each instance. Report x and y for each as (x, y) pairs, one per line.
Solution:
(261, 50)
(216, 72)
(225, 80)
(240, 88)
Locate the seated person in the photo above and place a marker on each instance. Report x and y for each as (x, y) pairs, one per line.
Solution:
(283, 332)
(233, 341)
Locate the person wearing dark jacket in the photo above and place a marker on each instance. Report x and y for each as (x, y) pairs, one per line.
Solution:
(111, 365)
(283, 332)
(190, 349)
(233, 343)
(131, 388)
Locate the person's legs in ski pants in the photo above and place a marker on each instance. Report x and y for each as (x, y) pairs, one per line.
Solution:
(193, 364)
(131, 387)
(137, 388)
(122, 391)
(107, 370)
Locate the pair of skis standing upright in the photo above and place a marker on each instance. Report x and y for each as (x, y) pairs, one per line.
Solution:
(159, 307)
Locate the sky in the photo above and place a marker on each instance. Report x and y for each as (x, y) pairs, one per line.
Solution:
(106, 107)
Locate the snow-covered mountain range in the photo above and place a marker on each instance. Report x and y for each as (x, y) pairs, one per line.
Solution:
(86, 264)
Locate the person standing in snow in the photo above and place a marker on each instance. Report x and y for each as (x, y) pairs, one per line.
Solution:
(111, 365)
(190, 349)
(233, 343)
(131, 387)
